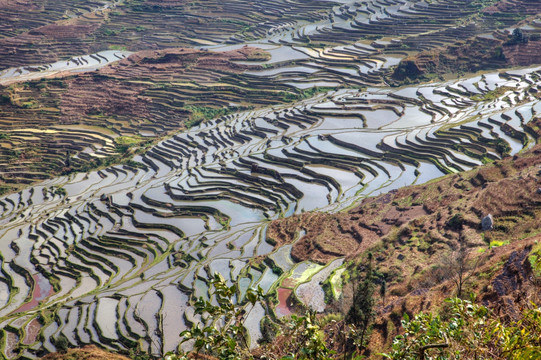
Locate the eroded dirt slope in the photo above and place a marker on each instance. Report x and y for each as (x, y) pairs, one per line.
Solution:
(89, 352)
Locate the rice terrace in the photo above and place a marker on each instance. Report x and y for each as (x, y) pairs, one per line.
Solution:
(156, 156)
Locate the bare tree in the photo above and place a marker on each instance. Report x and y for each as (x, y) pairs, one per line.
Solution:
(460, 265)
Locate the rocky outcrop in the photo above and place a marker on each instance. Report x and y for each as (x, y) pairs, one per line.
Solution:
(487, 223)
(511, 288)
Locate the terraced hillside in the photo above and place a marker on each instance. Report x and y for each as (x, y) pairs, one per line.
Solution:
(414, 234)
(36, 34)
(110, 257)
(222, 116)
(57, 126)
(311, 44)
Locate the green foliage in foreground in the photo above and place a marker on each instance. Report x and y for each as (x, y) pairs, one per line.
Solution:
(471, 332)
(227, 341)
(306, 339)
(223, 336)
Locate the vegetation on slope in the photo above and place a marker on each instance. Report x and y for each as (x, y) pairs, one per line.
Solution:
(469, 56)
(89, 352)
(428, 244)
(468, 331)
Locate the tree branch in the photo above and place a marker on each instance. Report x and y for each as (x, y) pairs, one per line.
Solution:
(422, 349)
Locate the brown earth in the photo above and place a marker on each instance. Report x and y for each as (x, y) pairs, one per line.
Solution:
(56, 31)
(525, 7)
(111, 90)
(89, 352)
(480, 52)
(503, 282)
(507, 189)
(473, 55)
(183, 59)
(325, 239)
(22, 5)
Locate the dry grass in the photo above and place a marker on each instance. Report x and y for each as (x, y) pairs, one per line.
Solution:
(89, 352)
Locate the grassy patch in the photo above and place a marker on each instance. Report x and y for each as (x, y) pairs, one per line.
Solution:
(498, 243)
(304, 94)
(493, 94)
(118, 47)
(204, 113)
(59, 190)
(259, 55)
(124, 143)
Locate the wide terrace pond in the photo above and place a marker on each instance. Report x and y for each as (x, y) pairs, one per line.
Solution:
(75, 64)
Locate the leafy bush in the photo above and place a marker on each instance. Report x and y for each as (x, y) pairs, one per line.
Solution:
(61, 343)
(306, 339)
(517, 37)
(225, 337)
(124, 143)
(203, 113)
(227, 341)
(138, 355)
(60, 191)
(471, 332)
(502, 147)
(5, 99)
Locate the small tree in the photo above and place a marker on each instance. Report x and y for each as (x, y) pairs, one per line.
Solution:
(383, 291)
(228, 340)
(61, 343)
(361, 312)
(460, 267)
(518, 36)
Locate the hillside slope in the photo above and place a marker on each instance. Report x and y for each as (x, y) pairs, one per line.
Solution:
(89, 352)
(414, 235)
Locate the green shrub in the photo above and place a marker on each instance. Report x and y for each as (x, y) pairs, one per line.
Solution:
(456, 222)
(5, 99)
(226, 341)
(61, 343)
(470, 332)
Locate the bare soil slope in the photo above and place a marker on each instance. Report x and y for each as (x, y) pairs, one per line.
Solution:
(89, 352)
